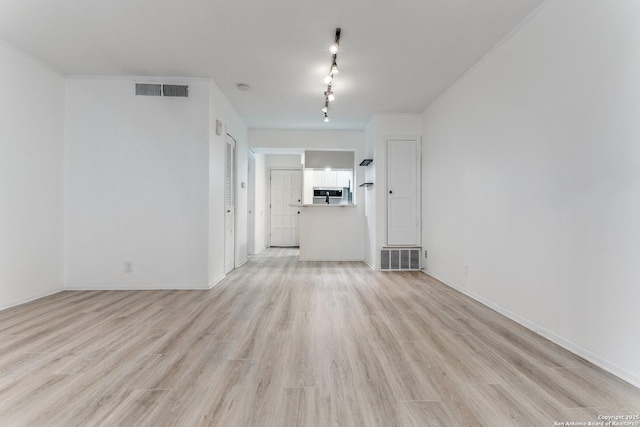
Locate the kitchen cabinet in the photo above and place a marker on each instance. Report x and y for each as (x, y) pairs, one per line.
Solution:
(318, 179)
(323, 178)
(308, 184)
(343, 179)
(330, 179)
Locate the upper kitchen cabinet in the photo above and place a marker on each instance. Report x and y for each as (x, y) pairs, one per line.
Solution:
(328, 170)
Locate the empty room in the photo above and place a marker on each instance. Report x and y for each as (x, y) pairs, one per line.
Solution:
(280, 213)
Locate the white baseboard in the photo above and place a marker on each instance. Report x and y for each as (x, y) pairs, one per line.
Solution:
(620, 372)
(134, 287)
(216, 281)
(30, 298)
(369, 264)
(329, 259)
(243, 262)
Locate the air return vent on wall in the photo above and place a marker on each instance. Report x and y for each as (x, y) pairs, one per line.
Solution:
(154, 89)
(148, 89)
(175, 90)
(400, 259)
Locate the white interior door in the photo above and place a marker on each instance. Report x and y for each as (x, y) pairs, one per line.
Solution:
(229, 205)
(285, 189)
(251, 205)
(402, 192)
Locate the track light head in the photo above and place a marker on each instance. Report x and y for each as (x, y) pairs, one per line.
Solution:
(326, 118)
(328, 79)
(334, 68)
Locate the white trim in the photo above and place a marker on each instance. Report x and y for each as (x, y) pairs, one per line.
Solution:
(216, 281)
(369, 264)
(30, 298)
(136, 287)
(32, 58)
(261, 250)
(138, 79)
(243, 262)
(618, 371)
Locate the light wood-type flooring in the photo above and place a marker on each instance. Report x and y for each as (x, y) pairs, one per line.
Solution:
(283, 343)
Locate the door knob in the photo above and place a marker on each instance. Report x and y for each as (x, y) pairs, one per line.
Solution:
(390, 192)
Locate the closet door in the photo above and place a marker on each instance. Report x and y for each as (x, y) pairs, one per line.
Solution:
(402, 193)
(230, 205)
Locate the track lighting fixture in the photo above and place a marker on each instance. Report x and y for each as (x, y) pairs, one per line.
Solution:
(330, 96)
(334, 47)
(328, 80)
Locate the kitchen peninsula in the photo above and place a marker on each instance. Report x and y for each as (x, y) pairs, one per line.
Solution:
(331, 232)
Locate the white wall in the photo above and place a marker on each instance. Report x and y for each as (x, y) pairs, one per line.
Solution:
(221, 109)
(136, 186)
(531, 178)
(370, 200)
(31, 178)
(381, 128)
(306, 139)
(284, 161)
(260, 237)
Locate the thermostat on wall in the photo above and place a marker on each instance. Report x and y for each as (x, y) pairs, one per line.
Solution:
(218, 127)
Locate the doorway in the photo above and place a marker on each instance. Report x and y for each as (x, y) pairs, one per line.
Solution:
(285, 189)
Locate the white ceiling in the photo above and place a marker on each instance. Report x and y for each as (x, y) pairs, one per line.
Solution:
(396, 55)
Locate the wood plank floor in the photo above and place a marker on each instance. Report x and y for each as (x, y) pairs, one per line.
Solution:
(286, 343)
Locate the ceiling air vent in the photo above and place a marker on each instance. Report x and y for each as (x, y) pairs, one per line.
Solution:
(175, 90)
(148, 89)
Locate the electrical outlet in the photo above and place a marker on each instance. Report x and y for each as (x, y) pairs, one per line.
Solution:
(128, 267)
(425, 253)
